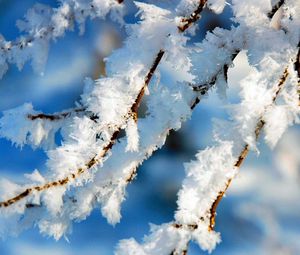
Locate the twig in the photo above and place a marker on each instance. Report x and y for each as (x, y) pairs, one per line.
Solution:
(275, 8)
(187, 22)
(243, 154)
(55, 116)
(297, 69)
(135, 106)
(63, 181)
(204, 87)
(297, 62)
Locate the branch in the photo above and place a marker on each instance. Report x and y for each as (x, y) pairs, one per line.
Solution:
(297, 69)
(187, 22)
(297, 62)
(275, 8)
(135, 106)
(62, 115)
(111, 142)
(204, 87)
(243, 154)
(56, 116)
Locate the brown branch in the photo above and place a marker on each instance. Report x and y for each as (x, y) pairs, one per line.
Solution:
(92, 162)
(135, 106)
(184, 252)
(243, 154)
(187, 22)
(56, 116)
(203, 88)
(275, 8)
(297, 69)
(297, 62)
(192, 227)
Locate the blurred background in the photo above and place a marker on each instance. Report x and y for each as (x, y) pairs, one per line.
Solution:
(261, 211)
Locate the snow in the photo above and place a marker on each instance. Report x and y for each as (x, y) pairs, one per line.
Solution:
(94, 164)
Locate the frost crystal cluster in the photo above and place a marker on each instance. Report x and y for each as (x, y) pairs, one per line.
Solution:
(157, 64)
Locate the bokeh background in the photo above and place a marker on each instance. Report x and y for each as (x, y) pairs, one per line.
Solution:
(259, 215)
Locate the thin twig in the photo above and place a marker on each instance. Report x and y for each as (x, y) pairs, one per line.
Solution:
(275, 8)
(243, 154)
(135, 106)
(297, 69)
(55, 116)
(204, 87)
(297, 62)
(187, 22)
(92, 162)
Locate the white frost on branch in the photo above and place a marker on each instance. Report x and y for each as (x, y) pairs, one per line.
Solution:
(16, 126)
(43, 24)
(257, 94)
(216, 6)
(186, 7)
(164, 239)
(132, 135)
(205, 177)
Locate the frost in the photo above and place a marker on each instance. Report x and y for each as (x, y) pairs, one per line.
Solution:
(163, 239)
(132, 136)
(206, 240)
(186, 7)
(18, 126)
(205, 177)
(274, 129)
(35, 176)
(216, 5)
(160, 67)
